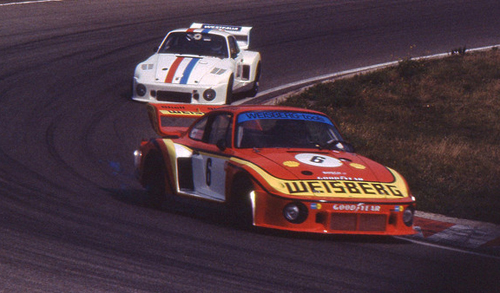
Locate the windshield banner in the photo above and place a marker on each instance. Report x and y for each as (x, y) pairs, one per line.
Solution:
(283, 115)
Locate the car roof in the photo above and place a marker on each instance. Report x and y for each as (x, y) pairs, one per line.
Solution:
(202, 30)
(236, 109)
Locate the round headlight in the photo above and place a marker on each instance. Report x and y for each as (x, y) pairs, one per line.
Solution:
(295, 212)
(408, 216)
(141, 90)
(209, 94)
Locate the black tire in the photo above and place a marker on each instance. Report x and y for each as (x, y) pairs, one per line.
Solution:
(240, 204)
(229, 91)
(155, 181)
(256, 83)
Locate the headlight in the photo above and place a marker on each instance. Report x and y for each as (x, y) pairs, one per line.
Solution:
(141, 90)
(209, 94)
(408, 216)
(295, 212)
(137, 158)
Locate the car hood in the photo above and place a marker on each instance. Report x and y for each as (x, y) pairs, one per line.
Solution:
(321, 165)
(325, 175)
(186, 69)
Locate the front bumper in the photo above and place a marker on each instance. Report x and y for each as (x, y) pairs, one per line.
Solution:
(335, 217)
(177, 93)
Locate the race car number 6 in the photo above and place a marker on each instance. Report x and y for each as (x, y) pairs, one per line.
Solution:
(318, 160)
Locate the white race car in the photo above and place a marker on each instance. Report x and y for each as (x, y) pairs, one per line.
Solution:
(204, 64)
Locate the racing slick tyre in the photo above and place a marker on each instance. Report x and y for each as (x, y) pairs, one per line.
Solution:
(229, 91)
(256, 83)
(240, 204)
(155, 181)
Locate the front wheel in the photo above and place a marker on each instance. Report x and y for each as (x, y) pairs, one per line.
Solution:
(240, 204)
(229, 90)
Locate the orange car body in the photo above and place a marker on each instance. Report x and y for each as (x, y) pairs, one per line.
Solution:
(296, 183)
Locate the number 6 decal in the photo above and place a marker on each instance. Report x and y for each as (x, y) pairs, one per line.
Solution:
(318, 160)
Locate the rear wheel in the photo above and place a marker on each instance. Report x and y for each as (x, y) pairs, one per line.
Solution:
(256, 83)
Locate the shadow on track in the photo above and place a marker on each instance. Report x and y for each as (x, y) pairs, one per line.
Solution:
(217, 214)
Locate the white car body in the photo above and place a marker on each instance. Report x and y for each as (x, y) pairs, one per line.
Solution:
(204, 64)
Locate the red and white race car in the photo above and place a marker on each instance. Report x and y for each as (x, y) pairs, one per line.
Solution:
(276, 167)
(204, 64)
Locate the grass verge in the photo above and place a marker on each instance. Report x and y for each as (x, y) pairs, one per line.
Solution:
(435, 121)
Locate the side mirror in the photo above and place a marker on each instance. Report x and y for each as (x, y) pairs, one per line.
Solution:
(347, 147)
(221, 144)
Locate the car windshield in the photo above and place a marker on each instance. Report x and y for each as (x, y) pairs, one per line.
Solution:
(285, 129)
(201, 44)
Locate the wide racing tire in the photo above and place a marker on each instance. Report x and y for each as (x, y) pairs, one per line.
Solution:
(256, 83)
(240, 204)
(229, 90)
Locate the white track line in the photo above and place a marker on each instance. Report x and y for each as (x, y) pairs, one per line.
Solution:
(331, 76)
(29, 2)
(447, 247)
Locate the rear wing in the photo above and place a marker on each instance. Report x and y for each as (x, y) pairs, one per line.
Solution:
(171, 120)
(241, 33)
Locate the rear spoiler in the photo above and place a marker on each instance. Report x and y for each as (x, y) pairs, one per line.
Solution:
(242, 33)
(171, 120)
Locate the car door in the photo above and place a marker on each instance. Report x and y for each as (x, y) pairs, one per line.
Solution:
(209, 176)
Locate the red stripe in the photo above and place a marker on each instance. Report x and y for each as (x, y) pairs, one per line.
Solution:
(173, 69)
(431, 227)
(190, 30)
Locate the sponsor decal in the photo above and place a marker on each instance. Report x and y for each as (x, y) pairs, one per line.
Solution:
(282, 115)
(342, 188)
(340, 178)
(333, 173)
(222, 27)
(360, 207)
(318, 160)
(332, 188)
(291, 164)
(316, 206)
(357, 166)
(180, 113)
(399, 208)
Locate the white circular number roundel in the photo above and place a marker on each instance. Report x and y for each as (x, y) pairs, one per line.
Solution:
(318, 160)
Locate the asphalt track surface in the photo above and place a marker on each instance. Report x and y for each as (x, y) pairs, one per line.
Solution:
(72, 216)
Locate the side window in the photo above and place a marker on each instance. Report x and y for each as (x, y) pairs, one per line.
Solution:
(220, 128)
(198, 129)
(233, 46)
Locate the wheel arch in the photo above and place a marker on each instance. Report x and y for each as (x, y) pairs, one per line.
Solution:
(153, 160)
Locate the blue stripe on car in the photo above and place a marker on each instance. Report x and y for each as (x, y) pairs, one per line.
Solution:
(188, 70)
